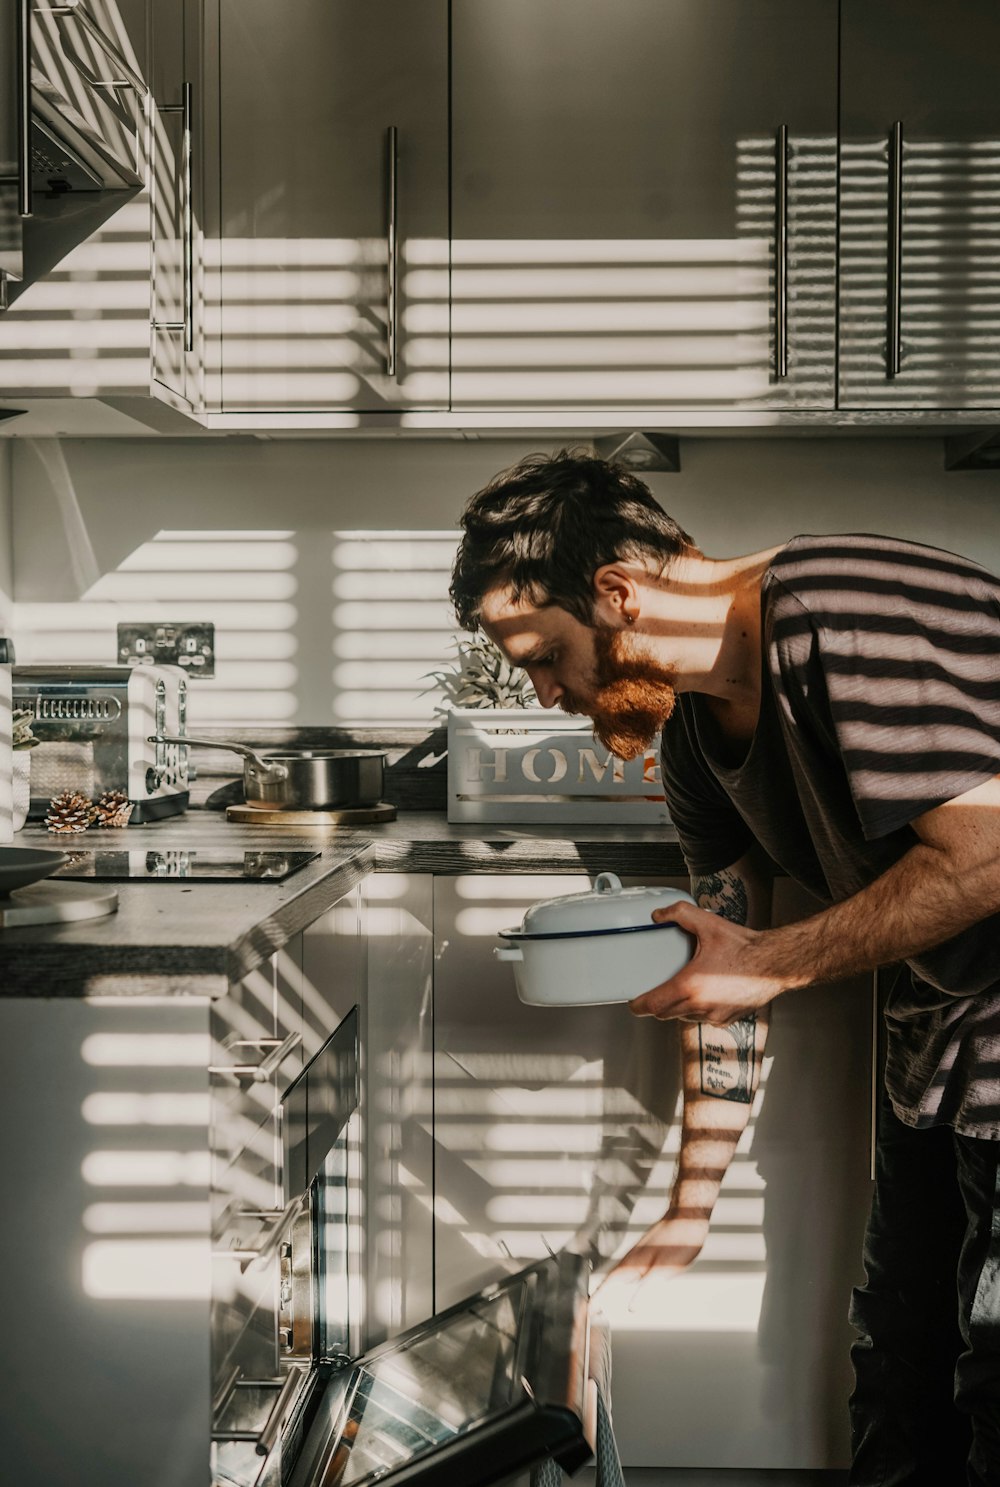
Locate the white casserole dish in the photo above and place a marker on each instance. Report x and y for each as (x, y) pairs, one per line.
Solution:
(595, 947)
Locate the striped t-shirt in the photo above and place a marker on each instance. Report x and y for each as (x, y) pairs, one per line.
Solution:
(880, 700)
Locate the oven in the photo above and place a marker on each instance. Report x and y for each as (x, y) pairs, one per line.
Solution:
(471, 1396)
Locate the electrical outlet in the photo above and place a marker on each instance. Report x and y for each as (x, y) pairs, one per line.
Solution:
(169, 643)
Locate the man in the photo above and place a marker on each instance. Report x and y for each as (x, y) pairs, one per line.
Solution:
(831, 706)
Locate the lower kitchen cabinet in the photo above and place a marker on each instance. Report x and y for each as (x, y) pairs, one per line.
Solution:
(549, 1123)
(143, 1150)
(398, 924)
(388, 975)
(105, 1280)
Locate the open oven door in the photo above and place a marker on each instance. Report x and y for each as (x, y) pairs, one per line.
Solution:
(483, 1391)
(469, 1397)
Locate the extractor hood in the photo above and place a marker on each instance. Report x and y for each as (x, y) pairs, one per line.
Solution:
(71, 117)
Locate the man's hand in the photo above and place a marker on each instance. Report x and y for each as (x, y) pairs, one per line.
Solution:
(720, 983)
(668, 1247)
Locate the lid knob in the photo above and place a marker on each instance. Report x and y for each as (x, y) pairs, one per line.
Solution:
(607, 883)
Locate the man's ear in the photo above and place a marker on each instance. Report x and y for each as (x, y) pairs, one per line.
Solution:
(616, 594)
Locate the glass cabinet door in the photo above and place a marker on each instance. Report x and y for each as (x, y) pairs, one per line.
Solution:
(334, 205)
(644, 201)
(920, 225)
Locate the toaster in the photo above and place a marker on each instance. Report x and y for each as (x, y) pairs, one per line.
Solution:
(93, 724)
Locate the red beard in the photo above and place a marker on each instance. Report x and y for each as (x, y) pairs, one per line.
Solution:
(630, 700)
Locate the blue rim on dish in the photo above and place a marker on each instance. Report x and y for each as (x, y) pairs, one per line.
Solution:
(583, 934)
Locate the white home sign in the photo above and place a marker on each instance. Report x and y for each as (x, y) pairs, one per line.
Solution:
(533, 764)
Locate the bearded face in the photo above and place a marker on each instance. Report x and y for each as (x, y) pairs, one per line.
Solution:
(631, 696)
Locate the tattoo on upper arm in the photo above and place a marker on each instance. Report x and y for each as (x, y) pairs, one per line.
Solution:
(724, 893)
(726, 1053)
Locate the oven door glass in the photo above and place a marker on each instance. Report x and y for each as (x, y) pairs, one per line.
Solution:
(482, 1391)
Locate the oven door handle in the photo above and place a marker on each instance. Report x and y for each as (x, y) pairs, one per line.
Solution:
(280, 1220)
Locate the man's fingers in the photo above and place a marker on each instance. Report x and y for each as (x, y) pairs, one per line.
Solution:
(685, 915)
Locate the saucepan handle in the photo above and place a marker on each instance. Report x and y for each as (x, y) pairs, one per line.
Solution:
(260, 766)
(508, 952)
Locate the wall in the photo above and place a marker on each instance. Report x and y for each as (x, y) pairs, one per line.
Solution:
(324, 563)
(6, 538)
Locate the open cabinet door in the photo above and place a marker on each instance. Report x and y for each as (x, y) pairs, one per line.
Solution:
(491, 1386)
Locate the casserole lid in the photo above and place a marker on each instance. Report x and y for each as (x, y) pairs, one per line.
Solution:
(607, 908)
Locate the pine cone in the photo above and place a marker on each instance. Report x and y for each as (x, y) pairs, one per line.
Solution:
(113, 809)
(70, 812)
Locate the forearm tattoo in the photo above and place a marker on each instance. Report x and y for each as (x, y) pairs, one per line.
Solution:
(726, 1053)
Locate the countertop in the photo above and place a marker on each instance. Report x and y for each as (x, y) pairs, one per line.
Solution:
(176, 938)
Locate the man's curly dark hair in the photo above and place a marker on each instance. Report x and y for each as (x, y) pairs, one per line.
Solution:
(547, 524)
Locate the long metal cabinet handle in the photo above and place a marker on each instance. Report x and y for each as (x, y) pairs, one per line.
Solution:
(263, 1440)
(24, 107)
(392, 296)
(781, 254)
(281, 1221)
(128, 78)
(268, 1065)
(186, 109)
(894, 349)
(276, 1417)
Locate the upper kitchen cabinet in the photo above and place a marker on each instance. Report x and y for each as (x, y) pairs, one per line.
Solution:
(644, 204)
(333, 253)
(176, 191)
(920, 233)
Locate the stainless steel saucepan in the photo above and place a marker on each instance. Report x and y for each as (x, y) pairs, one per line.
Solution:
(302, 779)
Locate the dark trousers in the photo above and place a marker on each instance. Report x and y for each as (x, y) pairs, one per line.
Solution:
(925, 1410)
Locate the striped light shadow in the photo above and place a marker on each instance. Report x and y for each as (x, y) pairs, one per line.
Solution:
(145, 1227)
(950, 279)
(242, 582)
(303, 323)
(562, 1126)
(653, 323)
(83, 329)
(392, 623)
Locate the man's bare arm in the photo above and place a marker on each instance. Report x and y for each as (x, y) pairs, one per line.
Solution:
(721, 1069)
(948, 880)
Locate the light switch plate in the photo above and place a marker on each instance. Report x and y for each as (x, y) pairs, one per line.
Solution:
(187, 643)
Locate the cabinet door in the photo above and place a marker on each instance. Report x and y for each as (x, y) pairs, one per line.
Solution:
(175, 180)
(12, 80)
(616, 174)
(919, 291)
(398, 918)
(334, 205)
(556, 1125)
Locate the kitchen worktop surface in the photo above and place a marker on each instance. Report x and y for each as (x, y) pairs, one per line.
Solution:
(193, 938)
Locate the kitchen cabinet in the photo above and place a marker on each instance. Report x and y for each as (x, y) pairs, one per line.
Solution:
(136, 1164)
(176, 181)
(644, 204)
(78, 267)
(398, 927)
(920, 230)
(549, 1123)
(333, 205)
(373, 950)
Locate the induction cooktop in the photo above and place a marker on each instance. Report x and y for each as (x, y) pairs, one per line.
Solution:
(161, 864)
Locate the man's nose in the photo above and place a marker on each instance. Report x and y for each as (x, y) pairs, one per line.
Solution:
(547, 690)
